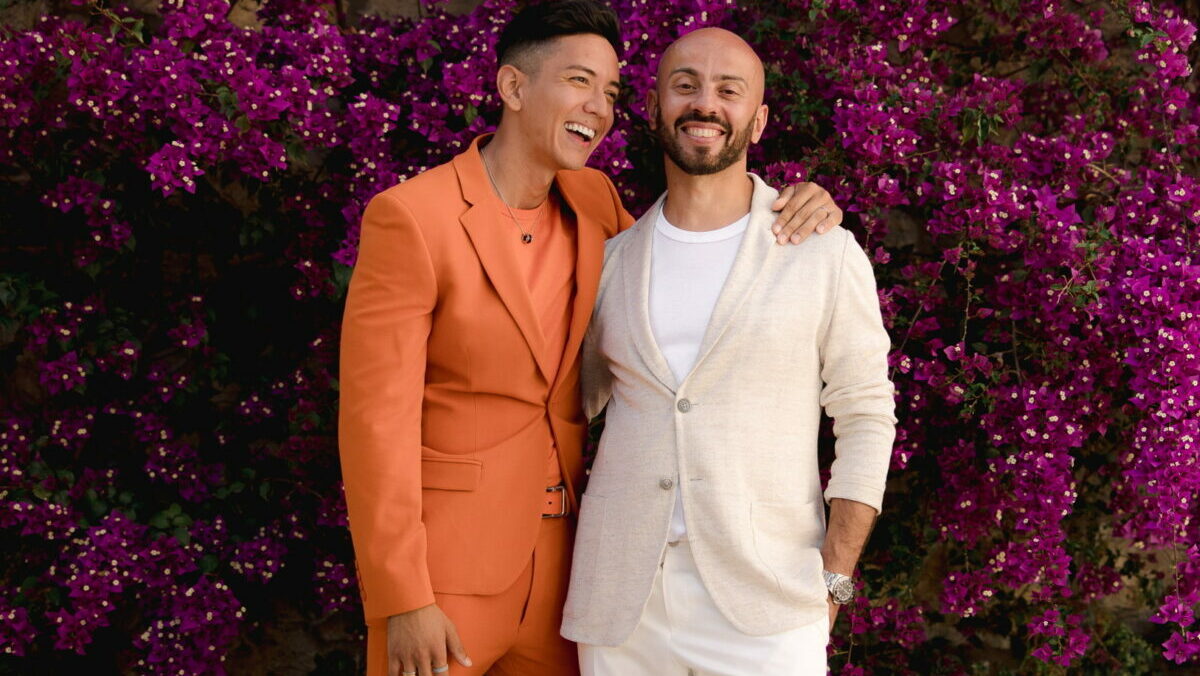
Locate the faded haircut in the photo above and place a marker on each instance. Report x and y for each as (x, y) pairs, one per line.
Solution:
(537, 26)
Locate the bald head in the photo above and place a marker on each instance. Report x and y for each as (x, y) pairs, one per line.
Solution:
(717, 55)
(707, 106)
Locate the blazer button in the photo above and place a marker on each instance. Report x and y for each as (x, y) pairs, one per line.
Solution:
(684, 405)
(666, 484)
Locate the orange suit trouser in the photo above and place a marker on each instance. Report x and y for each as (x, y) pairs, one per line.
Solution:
(515, 632)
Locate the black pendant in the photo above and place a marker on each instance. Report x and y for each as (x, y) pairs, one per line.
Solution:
(527, 237)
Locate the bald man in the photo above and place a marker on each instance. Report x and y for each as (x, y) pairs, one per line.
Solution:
(702, 545)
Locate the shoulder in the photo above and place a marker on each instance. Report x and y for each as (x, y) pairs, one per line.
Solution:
(426, 202)
(621, 241)
(424, 188)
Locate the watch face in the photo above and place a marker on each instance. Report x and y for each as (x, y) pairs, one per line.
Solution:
(842, 590)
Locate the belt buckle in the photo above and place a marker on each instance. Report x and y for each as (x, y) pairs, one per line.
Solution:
(561, 488)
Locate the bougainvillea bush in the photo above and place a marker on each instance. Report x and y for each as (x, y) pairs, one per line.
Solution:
(181, 195)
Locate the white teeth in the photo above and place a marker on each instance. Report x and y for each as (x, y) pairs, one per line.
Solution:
(576, 127)
(701, 132)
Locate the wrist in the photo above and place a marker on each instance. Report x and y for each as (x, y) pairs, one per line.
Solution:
(840, 586)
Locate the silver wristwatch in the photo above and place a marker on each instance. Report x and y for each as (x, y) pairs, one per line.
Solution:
(841, 587)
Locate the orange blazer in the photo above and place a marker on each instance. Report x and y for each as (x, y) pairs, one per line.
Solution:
(446, 412)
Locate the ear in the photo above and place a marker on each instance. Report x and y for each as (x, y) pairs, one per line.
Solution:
(510, 83)
(760, 123)
(652, 108)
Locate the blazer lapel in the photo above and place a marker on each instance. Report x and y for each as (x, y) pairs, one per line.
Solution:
(487, 233)
(636, 269)
(757, 243)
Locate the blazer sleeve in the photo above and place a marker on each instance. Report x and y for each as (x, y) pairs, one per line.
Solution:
(595, 378)
(388, 316)
(857, 393)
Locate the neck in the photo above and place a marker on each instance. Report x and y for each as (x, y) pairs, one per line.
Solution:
(522, 181)
(702, 203)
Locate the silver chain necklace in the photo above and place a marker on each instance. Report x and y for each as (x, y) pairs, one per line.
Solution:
(526, 237)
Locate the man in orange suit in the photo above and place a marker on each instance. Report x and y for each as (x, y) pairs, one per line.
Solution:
(461, 426)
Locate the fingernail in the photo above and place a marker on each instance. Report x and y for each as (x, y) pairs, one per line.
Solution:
(796, 239)
(780, 239)
(775, 228)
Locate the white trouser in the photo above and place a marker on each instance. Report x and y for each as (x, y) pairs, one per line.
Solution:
(682, 633)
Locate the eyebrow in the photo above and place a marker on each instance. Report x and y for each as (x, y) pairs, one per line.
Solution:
(593, 73)
(720, 78)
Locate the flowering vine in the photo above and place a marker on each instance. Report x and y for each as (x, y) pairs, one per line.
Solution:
(185, 193)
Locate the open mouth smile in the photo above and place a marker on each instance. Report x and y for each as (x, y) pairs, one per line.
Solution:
(583, 132)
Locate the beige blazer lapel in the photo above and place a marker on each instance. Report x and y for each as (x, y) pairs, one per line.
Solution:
(757, 243)
(636, 273)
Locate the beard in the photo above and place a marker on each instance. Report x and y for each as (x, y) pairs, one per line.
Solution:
(703, 161)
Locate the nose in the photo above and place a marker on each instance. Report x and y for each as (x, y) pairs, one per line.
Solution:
(705, 101)
(598, 104)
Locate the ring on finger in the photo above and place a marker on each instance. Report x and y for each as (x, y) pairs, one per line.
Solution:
(442, 669)
(408, 673)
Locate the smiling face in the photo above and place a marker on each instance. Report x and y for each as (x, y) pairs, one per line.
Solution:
(564, 100)
(706, 107)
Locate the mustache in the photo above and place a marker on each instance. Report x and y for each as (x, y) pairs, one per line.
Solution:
(695, 116)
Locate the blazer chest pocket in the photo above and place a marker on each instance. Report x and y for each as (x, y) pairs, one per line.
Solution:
(451, 474)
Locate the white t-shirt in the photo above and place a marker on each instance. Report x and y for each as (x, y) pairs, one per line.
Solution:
(687, 272)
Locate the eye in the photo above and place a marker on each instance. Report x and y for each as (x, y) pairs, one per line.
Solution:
(580, 79)
(684, 86)
(612, 96)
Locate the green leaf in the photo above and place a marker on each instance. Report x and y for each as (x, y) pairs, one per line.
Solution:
(208, 563)
(341, 279)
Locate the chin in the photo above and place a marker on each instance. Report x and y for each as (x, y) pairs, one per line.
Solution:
(574, 161)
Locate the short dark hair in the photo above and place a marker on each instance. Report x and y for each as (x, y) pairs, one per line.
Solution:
(536, 25)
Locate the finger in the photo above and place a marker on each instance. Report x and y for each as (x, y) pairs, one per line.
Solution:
(439, 664)
(798, 200)
(820, 222)
(424, 665)
(792, 216)
(784, 196)
(455, 646)
(832, 218)
(801, 225)
(801, 196)
(401, 667)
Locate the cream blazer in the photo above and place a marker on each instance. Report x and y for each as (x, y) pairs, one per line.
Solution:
(795, 329)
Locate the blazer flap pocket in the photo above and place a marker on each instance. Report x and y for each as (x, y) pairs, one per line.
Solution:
(451, 474)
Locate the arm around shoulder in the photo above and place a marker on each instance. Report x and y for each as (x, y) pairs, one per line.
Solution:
(388, 316)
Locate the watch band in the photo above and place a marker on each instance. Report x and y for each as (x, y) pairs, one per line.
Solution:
(841, 587)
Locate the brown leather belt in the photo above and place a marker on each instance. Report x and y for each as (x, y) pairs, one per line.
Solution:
(555, 505)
